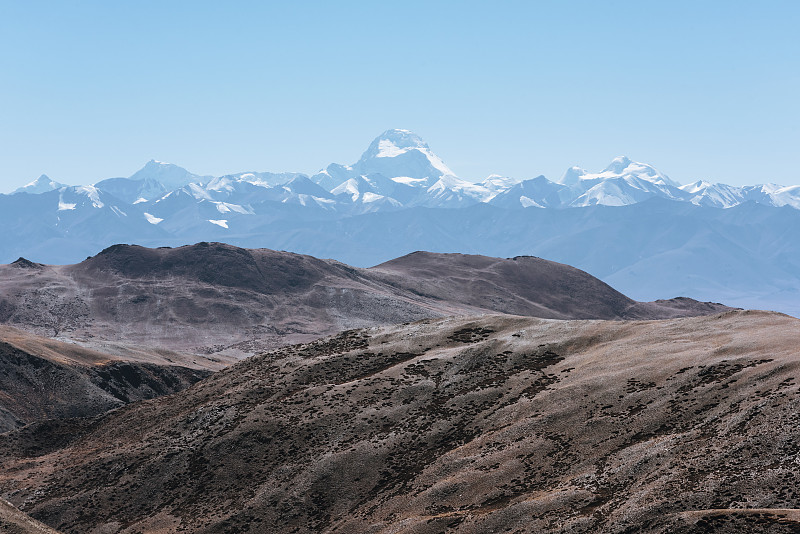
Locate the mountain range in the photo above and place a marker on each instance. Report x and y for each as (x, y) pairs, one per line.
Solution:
(629, 224)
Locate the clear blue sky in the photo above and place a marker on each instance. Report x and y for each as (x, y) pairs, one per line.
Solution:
(91, 90)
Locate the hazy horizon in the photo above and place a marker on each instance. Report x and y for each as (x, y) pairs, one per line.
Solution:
(699, 91)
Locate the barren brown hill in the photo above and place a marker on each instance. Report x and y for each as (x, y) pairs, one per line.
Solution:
(212, 298)
(525, 285)
(46, 379)
(490, 424)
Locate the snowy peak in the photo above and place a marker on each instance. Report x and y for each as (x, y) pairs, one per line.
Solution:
(392, 143)
(42, 184)
(402, 154)
(696, 187)
(572, 176)
(703, 193)
(536, 192)
(303, 185)
(169, 175)
(618, 165)
(496, 184)
(622, 166)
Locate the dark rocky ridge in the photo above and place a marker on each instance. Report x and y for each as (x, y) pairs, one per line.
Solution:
(215, 264)
(497, 423)
(213, 298)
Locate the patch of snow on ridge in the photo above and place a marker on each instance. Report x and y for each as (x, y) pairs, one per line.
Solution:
(198, 192)
(787, 196)
(152, 219)
(219, 222)
(63, 206)
(529, 202)
(407, 180)
(695, 187)
(227, 207)
(140, 200)
(371, 197)
(350, 187)
(324, 202)
(387, 149)
(93, 193)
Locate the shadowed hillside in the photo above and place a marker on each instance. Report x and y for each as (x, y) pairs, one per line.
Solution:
(44, 379)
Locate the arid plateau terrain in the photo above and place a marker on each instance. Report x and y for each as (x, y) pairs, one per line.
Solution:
(212, 389)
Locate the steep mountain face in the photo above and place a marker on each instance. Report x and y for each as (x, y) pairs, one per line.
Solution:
(43, 379)
(501, 424)
(212, 298)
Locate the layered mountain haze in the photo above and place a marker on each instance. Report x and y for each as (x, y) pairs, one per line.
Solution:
(158, 389)
(218, 301)
(706, 241)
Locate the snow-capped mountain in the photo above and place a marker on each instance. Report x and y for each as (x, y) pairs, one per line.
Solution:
(703, 193)
(411, 168)
(373, 193)
(537, 192)
(623, 182)
(169, 175)
(42, 184)
(630, 224)
(495, 184)
(404, 157)
(152, 181)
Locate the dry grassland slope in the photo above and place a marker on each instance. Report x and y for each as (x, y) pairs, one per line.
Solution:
(490, 424)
